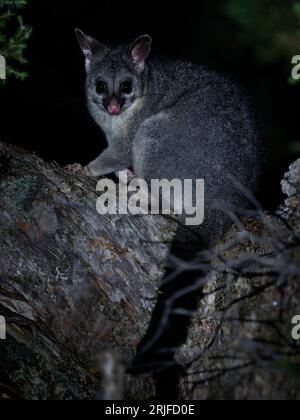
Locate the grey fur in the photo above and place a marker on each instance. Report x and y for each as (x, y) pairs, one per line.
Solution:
(181, 121)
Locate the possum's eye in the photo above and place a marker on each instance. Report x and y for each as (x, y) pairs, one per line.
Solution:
(101, 87)
(127, 87)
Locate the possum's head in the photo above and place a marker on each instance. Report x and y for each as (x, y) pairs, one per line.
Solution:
(114, 75)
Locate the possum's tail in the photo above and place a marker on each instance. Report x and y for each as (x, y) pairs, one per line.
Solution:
(178, 298)
(180, 294)
(182, 287)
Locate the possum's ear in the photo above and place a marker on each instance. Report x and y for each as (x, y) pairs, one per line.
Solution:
(88, 45)
(139, 51)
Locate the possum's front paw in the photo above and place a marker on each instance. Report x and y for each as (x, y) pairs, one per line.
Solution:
(76, 168)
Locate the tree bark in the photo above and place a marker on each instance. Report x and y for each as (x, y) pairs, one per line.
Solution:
(77, 289)
(241, 344)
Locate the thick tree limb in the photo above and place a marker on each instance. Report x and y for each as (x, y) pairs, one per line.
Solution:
(77, 289)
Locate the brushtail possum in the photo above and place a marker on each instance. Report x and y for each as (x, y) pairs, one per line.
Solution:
(170, 119)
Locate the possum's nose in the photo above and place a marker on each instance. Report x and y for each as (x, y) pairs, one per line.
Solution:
(114, 107)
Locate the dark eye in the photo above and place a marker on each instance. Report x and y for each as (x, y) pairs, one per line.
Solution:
(127, 87)
(100, 87)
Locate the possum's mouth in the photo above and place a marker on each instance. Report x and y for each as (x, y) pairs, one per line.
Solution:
(114, 106)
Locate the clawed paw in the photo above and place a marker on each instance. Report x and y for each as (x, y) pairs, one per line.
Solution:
(76, 168)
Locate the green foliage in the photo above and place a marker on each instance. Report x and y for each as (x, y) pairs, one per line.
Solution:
(13, 37)
(270, 27)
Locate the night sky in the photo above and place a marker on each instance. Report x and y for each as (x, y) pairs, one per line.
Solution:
(47, 113)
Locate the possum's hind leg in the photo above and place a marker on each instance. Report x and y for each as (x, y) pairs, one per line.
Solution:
(149, 157)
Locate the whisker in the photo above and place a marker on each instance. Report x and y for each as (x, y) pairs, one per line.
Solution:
(74, 105)
(150, 94)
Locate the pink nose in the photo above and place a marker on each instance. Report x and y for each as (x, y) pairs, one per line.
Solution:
(114, 107)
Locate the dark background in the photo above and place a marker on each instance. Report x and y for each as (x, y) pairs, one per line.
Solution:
(47, 112)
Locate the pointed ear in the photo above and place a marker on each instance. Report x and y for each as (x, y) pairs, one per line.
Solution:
(88, 45)
(139, 51)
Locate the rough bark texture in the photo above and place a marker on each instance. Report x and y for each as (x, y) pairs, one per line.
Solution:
(240, 344)
(77, 289)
